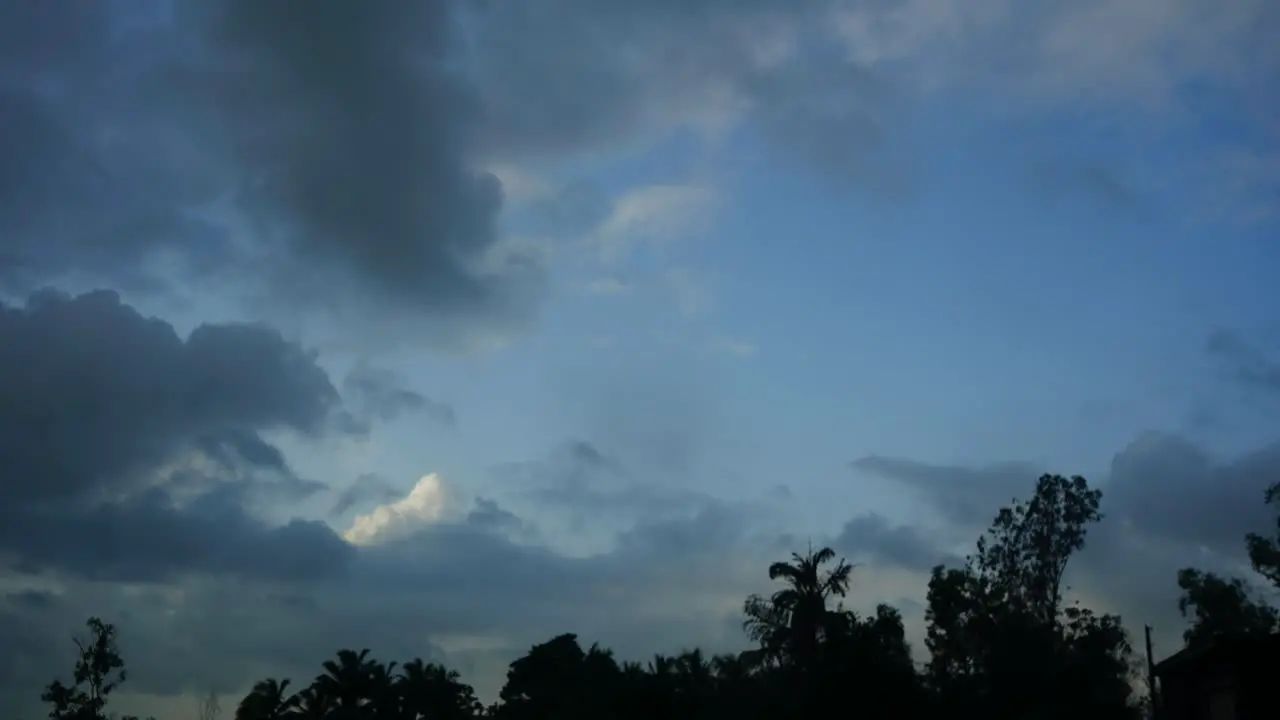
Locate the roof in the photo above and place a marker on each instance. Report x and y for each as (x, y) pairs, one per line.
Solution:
(1219, 649)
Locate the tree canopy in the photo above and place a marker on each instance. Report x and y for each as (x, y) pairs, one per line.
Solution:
(1217, 606)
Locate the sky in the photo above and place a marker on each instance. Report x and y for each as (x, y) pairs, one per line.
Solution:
(444, 328)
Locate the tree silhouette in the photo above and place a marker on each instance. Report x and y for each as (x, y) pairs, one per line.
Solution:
(1218, 605)
(789, 625)
(99, 671)
(268, 700)
(1001, 643)
(1264, 551)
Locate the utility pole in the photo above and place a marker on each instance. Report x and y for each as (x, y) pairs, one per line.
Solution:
(1152, 694)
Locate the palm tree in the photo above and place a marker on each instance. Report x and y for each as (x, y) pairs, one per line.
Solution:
(268, 700)
(789, 625)
(348, 681)
(312, 704)
(428, 690)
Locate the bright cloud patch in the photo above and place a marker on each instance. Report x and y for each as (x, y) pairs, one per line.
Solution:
(424, 504)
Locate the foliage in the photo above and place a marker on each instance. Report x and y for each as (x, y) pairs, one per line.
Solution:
(1000, 643)
(99, 671)
(1219, 606)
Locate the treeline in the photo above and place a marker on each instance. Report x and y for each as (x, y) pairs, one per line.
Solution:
(1001, 643)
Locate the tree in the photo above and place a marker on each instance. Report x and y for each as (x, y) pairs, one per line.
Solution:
(1000, 641)
(789, 625)
(348, 681)
(208, 708)
(268, 700)
(428, 690)
(546, 683)
(1264, 552)
(99, 671)
(1218, 605)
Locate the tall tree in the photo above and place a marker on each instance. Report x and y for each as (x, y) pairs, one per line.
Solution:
(1000, 640)
(269, 699)
(434, 692)
(789, 625)
(99, 671)
(1264, 551)
(1218, 605)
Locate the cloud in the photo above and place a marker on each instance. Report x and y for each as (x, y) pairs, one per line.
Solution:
(608, 286)
(1247, 363)
(872, 536)
(376, 394)
(463, 580)
(733, 346)
(233, 144)
(132, 453)
(963, 496)
(653, 215)
(367, 487)
(333, 138)
(424, 504)
(1167, 504)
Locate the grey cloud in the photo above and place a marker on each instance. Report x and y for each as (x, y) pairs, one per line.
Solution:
(75, 193)
(579, 478)
(133, 453)
(368, 488)
(548, 91)
(338, 131)
(1169, 488)
(31, 599)
(490, 515)
(1246, 362)
(364, 156)
(1167, 504)
(378, 394)
(1100, 183)
(965, 496)
(149, 539)
(872, 535)
(464, 579)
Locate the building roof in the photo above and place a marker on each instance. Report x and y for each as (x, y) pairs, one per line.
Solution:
(1220, 648)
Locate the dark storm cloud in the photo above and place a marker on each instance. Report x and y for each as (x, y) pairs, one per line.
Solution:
(338, 130)
(356, 133)
(148, 539)
(347, 137)
(93, 180)
(104, 411)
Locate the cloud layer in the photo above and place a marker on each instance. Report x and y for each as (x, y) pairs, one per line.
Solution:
(339, 168)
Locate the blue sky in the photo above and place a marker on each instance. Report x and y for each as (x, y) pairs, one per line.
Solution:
(758, 274)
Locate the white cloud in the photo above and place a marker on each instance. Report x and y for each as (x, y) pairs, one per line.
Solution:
(653, 214)
(735, 346)
(521, 186)
(424, 504)
(608, 286)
